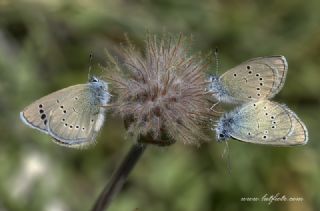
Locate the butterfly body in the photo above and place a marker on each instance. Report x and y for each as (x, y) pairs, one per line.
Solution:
(262, 122)
(220, 92)
(71, 116)
(258, 78)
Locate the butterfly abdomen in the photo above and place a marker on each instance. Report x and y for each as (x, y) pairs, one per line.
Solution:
(100, 120)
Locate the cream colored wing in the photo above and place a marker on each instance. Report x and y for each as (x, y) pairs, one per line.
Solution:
(259, 78)
(78, 119)
(36, 114)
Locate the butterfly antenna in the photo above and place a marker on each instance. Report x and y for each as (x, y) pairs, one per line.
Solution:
(216, 58)
(90, 65)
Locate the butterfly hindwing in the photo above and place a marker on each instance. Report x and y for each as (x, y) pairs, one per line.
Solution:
(259, 78)
(77, 120)
(299, 133)
(266, 122)
(72, 116)
(261, 122)
(36, 115)
(281, 65)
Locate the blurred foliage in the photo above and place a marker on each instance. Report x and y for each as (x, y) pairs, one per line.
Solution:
(45, 46)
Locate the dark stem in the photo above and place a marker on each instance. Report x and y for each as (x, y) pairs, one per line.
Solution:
(119, 177)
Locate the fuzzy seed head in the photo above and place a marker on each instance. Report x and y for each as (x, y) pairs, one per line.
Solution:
(161, 95)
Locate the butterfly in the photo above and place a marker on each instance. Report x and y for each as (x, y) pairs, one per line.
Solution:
(262, 122)
(72, 116)
(258, 78)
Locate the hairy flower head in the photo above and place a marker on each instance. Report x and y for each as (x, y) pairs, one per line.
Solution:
(161, 94)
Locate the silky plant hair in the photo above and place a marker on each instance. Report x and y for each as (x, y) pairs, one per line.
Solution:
(161, 93)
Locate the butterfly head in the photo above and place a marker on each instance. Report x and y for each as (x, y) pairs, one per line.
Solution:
(100, 87)
(223, 128)
(213, 82)
(213, 77)
(98, 83)
(93, 79)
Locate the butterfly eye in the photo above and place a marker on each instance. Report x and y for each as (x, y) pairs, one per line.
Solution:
(93, 79)
(230, 121)
(213, 78)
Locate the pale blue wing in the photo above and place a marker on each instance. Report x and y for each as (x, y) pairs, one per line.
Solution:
(266, 122)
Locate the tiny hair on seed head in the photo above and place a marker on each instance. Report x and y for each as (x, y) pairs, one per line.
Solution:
(161, 93)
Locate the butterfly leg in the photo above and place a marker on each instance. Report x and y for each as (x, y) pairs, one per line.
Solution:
(106, 106)
(214, 105)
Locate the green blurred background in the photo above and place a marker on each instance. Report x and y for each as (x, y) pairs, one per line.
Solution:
(45, 46)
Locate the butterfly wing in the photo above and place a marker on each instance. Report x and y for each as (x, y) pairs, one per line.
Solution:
(266, 122)
(36, 114)
(281, 65)
(259, 78)
(78, 118)
(78, 106)
(299, 133)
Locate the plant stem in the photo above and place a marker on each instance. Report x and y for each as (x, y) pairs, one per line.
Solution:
(119, 177)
